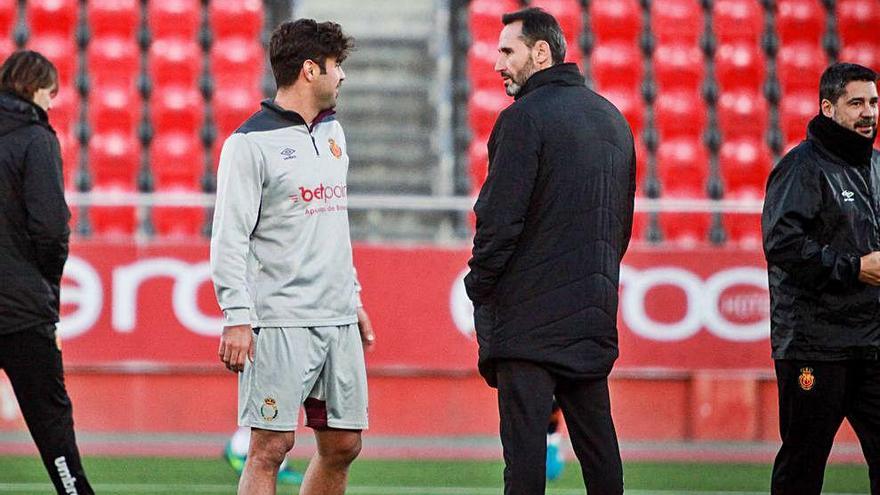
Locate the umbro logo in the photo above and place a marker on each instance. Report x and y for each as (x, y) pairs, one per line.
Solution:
(847, 195)
(288, 154)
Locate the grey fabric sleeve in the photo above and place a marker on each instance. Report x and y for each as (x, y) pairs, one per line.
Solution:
(239, 191)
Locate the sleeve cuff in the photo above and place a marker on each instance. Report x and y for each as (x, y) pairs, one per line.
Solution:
(236, 316)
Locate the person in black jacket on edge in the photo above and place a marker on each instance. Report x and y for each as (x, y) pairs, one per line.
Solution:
(33, 249)
(554, 219)
(821, 229)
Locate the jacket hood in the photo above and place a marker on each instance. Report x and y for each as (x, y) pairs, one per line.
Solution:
(566, 74)
(16, 113)
(851, 147)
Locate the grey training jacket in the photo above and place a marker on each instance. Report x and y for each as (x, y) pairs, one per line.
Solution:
(280, 247)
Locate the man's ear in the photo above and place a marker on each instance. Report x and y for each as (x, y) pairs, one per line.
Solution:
(541, 53)
(310, 70)
(827, 108)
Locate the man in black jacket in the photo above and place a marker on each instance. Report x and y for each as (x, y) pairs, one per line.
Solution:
(553, 222)
(821, 229)
(33, 250)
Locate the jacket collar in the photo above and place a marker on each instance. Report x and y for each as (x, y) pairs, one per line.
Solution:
(293, 117)
(566, 74)
(851, 147)
(16, 112)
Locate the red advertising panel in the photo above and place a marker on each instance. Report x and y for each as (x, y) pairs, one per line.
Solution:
(132, 305)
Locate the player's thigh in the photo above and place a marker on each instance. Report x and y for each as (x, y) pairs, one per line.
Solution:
(271, 444)
(344, 445)
(339, 397)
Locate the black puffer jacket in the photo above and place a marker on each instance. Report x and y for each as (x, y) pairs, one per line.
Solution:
(553, 221)
(820, 216)
(33, 217)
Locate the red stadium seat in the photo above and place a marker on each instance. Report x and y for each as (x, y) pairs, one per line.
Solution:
(114, 108)
(56, 17)
(232, 106)
(677, 20)
(176, 108)
(8, 11)
(680, 113)
(800, 66)
(567, 13)
(619, 20)
(176, 222)
(687, 230)
(112, 221)
(679, 66)
(739, 65)
(744, 229)
(742, 113)
(178, 161)
(60, 51)
(65, 110)
(175, 61)
(174, 18)
(478, 158)
(113, 60)
(114, 18)
(482, 56)
(238, 18)
(617, 64)
(114, 160)
(745, 164)
(683, 165)
(795, 112)
(485, 18)
(6, 48)
(69, 157)
(237, 61)
(866, 54)
(800, 20)
(858, 21)
(483, 109)
(630, 104)
(738, 20)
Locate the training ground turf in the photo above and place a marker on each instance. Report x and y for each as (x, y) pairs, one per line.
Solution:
(151, 475)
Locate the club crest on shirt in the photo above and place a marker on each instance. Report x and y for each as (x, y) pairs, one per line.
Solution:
(807, 380)
(269, 410)
(334, 148)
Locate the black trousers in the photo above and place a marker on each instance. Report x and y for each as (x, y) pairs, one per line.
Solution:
(32, 362)
(525, 399)
(814, 397)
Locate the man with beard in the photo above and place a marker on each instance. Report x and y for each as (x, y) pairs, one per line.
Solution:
(281, 263)
(821, 229)
(553, 221)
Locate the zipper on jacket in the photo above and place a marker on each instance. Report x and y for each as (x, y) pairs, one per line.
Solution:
(314, 144)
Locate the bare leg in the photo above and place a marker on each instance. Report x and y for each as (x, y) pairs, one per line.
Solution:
(327, 473)
(265, 454)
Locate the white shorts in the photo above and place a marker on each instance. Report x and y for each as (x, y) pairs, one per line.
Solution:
(320, 368)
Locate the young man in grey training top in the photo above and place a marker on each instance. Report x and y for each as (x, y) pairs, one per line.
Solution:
(281, 262)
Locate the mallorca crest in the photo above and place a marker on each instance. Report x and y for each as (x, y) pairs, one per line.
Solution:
(269, 410)
(334, 148)
(807, 380)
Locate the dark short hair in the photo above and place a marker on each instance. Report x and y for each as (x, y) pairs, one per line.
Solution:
(538, 25)
(833, 83)
(26, 71)
(294, 42)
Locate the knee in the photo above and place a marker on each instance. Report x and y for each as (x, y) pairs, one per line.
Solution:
(270, 452)
(342, 452)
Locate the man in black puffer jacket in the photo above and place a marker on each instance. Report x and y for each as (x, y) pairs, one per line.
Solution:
(33, 250)
(821, 228)
(553, 222)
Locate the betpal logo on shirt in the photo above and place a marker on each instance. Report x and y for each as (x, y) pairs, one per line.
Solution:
(288, 154)
(847, 195)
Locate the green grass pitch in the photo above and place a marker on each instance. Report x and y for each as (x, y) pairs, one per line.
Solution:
(151, 475)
